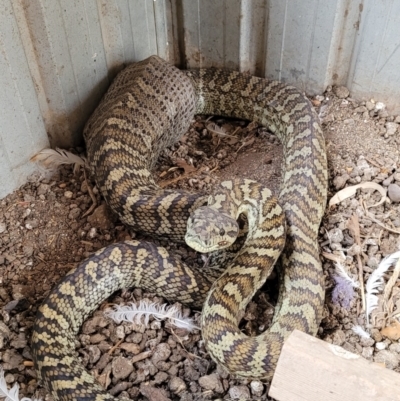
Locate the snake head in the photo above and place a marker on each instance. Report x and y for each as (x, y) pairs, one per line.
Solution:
(209, 230)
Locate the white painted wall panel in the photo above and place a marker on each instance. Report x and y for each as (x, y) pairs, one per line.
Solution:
(57, 57)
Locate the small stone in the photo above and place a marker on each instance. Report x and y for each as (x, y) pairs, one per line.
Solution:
(349, 121)
(68, 194)
(387, 181)
(396, 176)
(3, 228)
(12, 358)
(335, 235)
(211, 382)
(161, 353)
(42, 189)
(74, 213)
(31, 224)
(367, 352)
(153, 393)
(94, 354)
(239, 393)
(380, 346)
(177, 385)
(160, 377)
(370, 106)
(390, 359)
(394, 192)
(257, 388)
(101, 218)
(397, 119)
(340, 181)
(339, 337)
(360, 109)
(391, 128)
(97, 338)
(122, 386)
(121, 367)
(379, 106)
(92, 324)
(341, 92)
(131, 348)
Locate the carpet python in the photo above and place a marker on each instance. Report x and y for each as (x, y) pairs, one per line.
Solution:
(147, 108)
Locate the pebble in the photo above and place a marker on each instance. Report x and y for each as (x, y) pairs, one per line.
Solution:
(380, 346)
(387, 181)
(161, 353)
(370, 106)
(239, 393)
(101, 218)
(42, 189)
(68, 194)
(340, 181)
(391, 128)
(121, 367)
(211, 382)
(3, 228)
(257, 388)
(74, 213)
(31, 224)
(177, 385)
(341, 92)
(390, 359)
(394, 192)
(335, 235)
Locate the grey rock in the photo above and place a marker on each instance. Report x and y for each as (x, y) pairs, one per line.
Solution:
(12, 358)
(121, 367)
(92, 324)
(42, 189)
(257, 388)
(239, 393)
(370, 106)
(160, 377)
(161, 353)
(391, 128)
(367, 352)
(335, 235)
(74, 213)
(342, 92)
(340, 181)
(389, 358)
(94, 353)
(387, 181)
(177, 385)
(394, 192)
(211, 382)
(3, 228)
(360, 109)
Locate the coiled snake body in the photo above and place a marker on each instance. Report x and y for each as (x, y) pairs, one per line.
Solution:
(147, 108)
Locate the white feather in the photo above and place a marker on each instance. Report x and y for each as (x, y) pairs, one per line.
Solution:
(11, 394)
(341, 271)
(375, 281)
(52, 158)
(141, 313)
(361, 332)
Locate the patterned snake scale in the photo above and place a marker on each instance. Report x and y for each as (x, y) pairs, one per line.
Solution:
(147, 108)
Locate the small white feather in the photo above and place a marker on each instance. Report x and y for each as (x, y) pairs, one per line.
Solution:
(141, 313)
(341, 271)
(375, 281)
(361, 332)
(53, 158)
(11, 394)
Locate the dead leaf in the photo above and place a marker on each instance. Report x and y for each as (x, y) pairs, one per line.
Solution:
(188, 168)
(392, 332)
(350, 191)
(354, 226)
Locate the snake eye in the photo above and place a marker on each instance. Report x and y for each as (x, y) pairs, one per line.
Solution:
(221, 231)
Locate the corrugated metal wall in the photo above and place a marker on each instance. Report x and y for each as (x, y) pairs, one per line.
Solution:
(58, 56)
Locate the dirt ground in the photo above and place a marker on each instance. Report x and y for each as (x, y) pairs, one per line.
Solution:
(44, 232)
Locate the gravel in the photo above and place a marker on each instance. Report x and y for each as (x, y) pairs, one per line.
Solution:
(45, 233)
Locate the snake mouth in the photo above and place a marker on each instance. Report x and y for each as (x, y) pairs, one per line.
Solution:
(199, 245)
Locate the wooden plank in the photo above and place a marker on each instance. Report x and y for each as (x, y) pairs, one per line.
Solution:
(312, 370)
